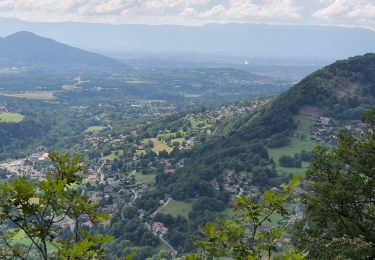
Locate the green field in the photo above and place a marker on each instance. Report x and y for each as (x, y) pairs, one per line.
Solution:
(301, 141)
(137, 81)
(144, 178)
(11, 118)
(21, 239)
(40, 95)
(194, 123)
(69, 87)
(158, 145)
(170, 135)
(95, 128)
(177, 208)
(114, 155)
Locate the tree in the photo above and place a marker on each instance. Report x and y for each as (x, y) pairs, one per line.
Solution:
(339, 215)
(245, 236)
(289, 161)
(38, 209)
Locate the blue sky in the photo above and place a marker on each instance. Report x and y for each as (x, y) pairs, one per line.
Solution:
(354, 13)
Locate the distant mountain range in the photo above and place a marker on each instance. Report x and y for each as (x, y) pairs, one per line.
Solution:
(27, 49)
(250, 40)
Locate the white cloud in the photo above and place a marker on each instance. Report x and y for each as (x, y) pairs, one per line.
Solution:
(348, 12)
(334, 8)
(242, 9)
(360, 9)
(330, 12)
(216, 11)
(188, 12)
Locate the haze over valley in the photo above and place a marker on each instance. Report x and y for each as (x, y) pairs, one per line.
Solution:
(187, 130)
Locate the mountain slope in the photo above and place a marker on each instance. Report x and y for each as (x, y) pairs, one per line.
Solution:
(25, 48)
(343, 90)
(256, 40)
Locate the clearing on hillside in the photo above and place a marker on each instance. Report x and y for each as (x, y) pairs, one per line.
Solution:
(69, 87)
(301, 141)
(11, 118)
(39, 95)
(144, 178)
(177, 208)
(95, 128)
(158, 146)
(114, 155)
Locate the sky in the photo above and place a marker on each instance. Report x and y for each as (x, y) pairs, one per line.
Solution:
(353, 13)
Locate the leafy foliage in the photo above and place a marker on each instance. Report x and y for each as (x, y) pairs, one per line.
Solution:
(38, 209)
(339, 221)
(245, 236)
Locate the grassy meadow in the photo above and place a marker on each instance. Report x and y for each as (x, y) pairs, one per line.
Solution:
(11, 118)
(177, 208)
(38, 95)
(301, 141)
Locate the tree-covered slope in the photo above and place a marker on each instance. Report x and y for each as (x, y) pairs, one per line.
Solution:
(343, 90)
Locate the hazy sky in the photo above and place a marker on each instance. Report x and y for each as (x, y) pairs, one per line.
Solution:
(359, 13)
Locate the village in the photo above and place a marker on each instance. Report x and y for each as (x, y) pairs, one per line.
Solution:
(122, 167)
(325, 130)
(26, 166)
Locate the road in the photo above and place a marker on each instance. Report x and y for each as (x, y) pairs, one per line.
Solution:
(135, 195)
(174, 251)
(100, 172)
(162, 207)
(149, 227)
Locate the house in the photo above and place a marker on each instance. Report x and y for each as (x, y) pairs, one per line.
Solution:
(96, 197)
(141, 213)
(159, 228)
(112, 208)
(92, 178)
(108, 189)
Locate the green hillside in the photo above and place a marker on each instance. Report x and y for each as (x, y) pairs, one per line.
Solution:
(343, 91)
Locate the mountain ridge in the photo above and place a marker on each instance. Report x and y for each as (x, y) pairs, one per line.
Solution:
(251, 40)
(27, 48)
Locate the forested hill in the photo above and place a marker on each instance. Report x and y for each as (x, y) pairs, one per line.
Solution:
(343, 91)
(28, 49)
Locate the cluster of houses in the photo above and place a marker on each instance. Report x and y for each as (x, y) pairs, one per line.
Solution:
(152, 107)
(25, 166)
(94, 140)
(238, 184)
(325, 129)
(3, 109)
(110, 188)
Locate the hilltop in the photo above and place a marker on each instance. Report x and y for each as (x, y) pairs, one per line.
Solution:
(28, 49)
